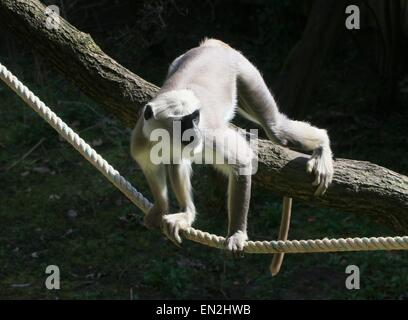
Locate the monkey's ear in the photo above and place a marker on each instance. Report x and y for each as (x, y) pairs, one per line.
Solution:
(148, 113)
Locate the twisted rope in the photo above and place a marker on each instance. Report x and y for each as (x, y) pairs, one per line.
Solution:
(288, 246)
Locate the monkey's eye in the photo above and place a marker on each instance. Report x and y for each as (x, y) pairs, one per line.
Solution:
(148, 113)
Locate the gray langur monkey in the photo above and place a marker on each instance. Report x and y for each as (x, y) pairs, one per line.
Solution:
(200, 93)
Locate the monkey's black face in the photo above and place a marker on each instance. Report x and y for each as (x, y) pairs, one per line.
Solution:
(148, 112)
(189, 127)
(178, 135)
(186, 135)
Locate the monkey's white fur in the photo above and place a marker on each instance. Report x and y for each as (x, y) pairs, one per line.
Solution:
(201, 90)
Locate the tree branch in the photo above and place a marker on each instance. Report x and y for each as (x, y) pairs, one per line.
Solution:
(358, 186)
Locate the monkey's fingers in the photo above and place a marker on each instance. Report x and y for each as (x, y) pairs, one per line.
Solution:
(236, 253)
(169, 232)
(173, 240)
(176, 233)
(236, 250)
(310, 165)
(235, 244)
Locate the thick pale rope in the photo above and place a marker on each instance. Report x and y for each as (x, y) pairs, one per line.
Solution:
(289, 246)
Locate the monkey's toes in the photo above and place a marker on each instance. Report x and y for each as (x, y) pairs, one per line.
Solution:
(310, 165)
(323, 173)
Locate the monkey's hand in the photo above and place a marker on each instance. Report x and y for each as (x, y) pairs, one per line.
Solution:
(172, 224)
(153, 219)
(235, 242)
(320, 165)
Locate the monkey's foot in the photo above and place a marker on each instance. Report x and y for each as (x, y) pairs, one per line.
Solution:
(320, 165)
(172, 224)
(153, 219)
(235, 242)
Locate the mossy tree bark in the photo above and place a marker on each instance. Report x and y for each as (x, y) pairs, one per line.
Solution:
(358, 186)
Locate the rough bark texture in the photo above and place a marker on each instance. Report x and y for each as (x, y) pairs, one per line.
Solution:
(79, 59)
(358, 186)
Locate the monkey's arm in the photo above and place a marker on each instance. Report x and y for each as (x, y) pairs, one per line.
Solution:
(156, 178)
(179, 175)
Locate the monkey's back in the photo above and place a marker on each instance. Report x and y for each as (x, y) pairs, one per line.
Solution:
(208, 71)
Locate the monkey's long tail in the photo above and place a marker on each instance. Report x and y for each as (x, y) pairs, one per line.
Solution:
(283, 235)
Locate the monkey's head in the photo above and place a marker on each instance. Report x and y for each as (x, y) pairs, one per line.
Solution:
(173, 119)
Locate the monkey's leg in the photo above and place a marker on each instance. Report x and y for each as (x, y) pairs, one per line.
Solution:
(283, 235)
(304, 137)
(238, 158)
(156, 178)
(179, 175)
(258, 105)
(239, 195)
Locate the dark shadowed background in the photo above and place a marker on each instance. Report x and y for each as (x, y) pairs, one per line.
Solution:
(56, 209)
